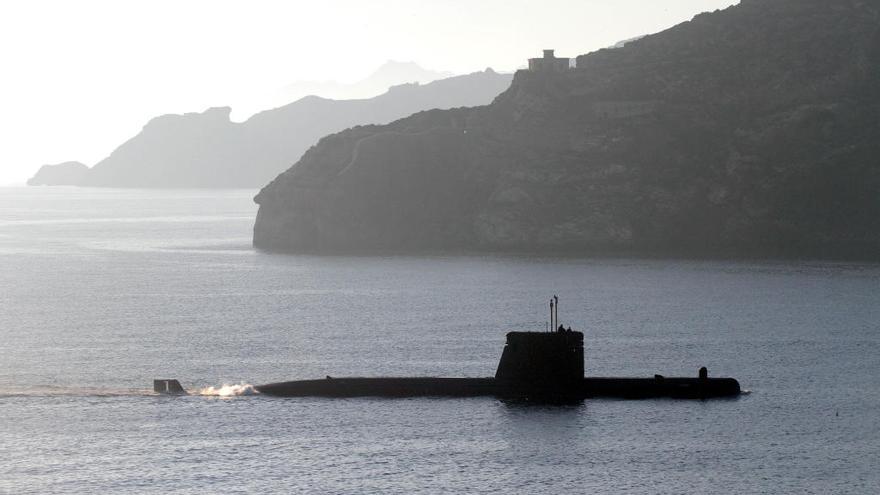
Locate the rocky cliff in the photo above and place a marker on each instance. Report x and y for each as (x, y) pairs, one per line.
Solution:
(208, 150)
(748, 131)
(62, 174)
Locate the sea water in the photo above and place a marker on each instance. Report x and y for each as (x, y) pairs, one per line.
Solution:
(103, 290)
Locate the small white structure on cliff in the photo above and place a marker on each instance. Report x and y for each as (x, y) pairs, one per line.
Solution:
(549, 63)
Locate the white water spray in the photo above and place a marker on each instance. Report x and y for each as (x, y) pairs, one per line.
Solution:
(229, 390)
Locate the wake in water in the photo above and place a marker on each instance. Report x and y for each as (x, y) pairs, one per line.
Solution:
(226, 390)
(66, 391)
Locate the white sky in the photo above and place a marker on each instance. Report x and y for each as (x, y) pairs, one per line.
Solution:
(79, 78)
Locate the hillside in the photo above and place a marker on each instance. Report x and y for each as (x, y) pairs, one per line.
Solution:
(207, 150)
(751, 131)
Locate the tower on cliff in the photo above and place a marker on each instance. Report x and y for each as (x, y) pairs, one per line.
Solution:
(549, 63)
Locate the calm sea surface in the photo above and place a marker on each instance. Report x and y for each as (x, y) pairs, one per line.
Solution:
(103, 290)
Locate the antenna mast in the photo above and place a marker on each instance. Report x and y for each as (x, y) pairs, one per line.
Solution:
(556, 300)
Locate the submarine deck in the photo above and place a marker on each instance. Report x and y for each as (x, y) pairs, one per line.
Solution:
(624, 388)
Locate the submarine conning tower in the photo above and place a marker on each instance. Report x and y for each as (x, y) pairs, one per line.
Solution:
(543, 357)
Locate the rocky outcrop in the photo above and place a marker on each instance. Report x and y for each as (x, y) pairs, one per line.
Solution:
(62, 174)
(748, 131)
(208, 150)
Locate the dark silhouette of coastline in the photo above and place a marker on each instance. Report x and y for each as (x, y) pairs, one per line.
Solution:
(747, 132)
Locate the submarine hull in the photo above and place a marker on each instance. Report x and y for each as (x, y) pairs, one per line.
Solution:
(534, 366)
(648, 388)
(383, 387)
(622, 388)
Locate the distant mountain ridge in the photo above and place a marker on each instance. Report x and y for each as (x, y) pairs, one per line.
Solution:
(391, 73)
(749, 131)
(208, 150)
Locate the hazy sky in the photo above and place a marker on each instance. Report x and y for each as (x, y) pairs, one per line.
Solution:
(79, 78)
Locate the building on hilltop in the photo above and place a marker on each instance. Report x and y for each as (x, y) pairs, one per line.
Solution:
(549, 63)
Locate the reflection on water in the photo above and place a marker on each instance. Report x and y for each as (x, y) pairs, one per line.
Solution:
(92, 311)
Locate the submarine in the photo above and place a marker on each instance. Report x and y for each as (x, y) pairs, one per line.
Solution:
(543, 366)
